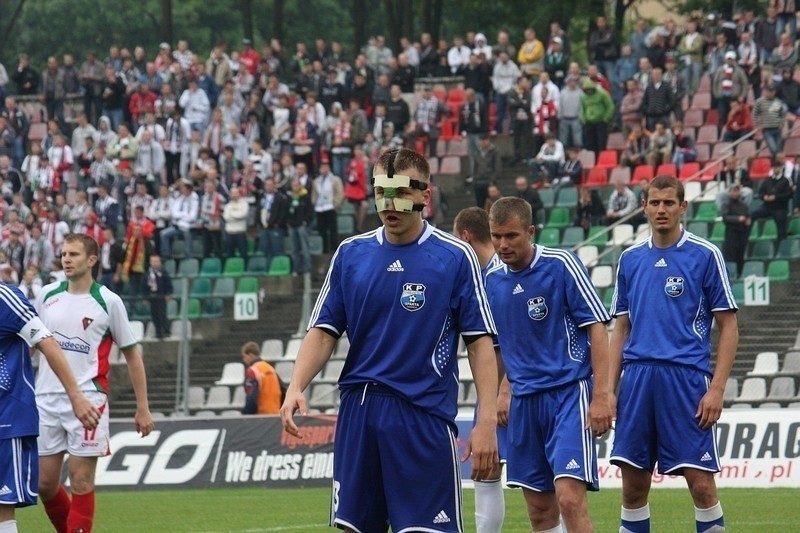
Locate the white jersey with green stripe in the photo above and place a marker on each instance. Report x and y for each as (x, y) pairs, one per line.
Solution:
(85, 326)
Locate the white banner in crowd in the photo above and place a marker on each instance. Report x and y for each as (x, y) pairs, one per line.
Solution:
(757, 448)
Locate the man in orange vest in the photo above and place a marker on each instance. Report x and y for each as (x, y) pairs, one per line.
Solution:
(262, 386)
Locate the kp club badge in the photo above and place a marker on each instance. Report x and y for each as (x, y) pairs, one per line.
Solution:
(537, 308)
(413, 297)
(674, 286)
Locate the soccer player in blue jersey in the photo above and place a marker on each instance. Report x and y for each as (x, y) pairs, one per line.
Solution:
(402, 293)
(21, 328)
(551, 328)
(471, 225)
(669, 288)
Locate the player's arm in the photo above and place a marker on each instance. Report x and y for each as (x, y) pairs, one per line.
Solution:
(601, 410)
(482, 444)
(315, 351)
(710, 408)
(143, 419)
(503, 390)
(622, 330)
(87, 413)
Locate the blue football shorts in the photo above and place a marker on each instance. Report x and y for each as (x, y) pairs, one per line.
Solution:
(656, 420)
(394, 465)
(19, 471)
(549, 438)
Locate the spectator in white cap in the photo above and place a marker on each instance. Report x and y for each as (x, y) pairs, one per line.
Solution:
(729, 83)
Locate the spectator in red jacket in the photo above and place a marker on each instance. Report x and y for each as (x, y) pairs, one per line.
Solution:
(142, 101)
(355, 188)
(739, 122)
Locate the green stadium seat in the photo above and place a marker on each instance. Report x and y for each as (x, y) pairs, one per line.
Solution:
(559, 218)
(762, 250)
(549, 237)
(211, 267)
(733, 270)
(567, 197)
(778, 270)
(610, 256)
(198, 251)
(347, 209)
(224, 288)
(247, 284)
(252, 249)
(597, 236)
(718, 234)
(280, 265)
(234, 267)
(794, 226)
(789, 249)
(738, 292)
(189, 268)
(769, 232)
(548, 197)
(141, 310)
(173, 312)
(706, 212)
(572, 237)
(193, 309)
(213, 308)
(170, 267)
(201, 288)
(178, 249)
(346, 224)
(753, 268)
(699, 228)
(256, 266)
(315, 244)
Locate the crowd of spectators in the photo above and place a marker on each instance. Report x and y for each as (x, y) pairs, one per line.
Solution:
(172, 145)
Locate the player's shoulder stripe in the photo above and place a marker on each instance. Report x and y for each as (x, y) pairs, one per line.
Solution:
(722, 269)
(582, 280)
(54, 289)
(358, 239)
(14, 299)
(632, 249)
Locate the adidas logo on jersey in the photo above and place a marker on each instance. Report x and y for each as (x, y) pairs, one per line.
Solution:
(706, 457)
(660, 263)
(573, 465)
(441, 518)
(518, 289)
(395, 267)
(5, 490)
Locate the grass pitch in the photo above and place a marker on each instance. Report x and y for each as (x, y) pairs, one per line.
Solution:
(301, 510)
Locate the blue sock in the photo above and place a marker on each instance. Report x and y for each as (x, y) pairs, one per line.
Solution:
(635, 520)
(709, 520)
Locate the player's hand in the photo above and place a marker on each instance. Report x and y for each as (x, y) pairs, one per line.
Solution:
(482, 447)
(600, 414)
(85, 411)
(144, 422)
(295, 401)
(710, 409)
(503, 406)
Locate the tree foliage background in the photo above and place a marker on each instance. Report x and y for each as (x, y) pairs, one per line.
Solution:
(46, 27)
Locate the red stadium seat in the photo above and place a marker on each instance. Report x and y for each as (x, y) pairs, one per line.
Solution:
(703, 152)
(596, 177)
(701, 101)
(456, 95)
(721, 150)
(620, 175)
(615, 141)
(688, 170)
(707, 134)
(710, 171)
(608, 159)
(667, 168)
(712, 117)
(792, 145)
(450, 165)
(760, 168)
(642, 172)
(693, 118)
(587, 159)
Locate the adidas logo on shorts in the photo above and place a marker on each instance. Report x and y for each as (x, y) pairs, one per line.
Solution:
(706, 457)
(573, 465)
(5, 490)
(395, 267)
(518, 289)
(441, 518)
(660, 263)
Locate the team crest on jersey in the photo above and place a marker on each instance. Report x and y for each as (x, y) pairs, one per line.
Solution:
(674, 286)
(413, 297)
(537, 308)
(87, 322)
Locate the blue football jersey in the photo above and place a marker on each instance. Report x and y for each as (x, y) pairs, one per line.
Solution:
(670, 295)
(20, 328)
(403, 308)
(541, 314)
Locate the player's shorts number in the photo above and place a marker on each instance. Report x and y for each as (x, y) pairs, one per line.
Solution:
(336, 487)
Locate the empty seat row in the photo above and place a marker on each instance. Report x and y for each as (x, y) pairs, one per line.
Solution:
(219, 398)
